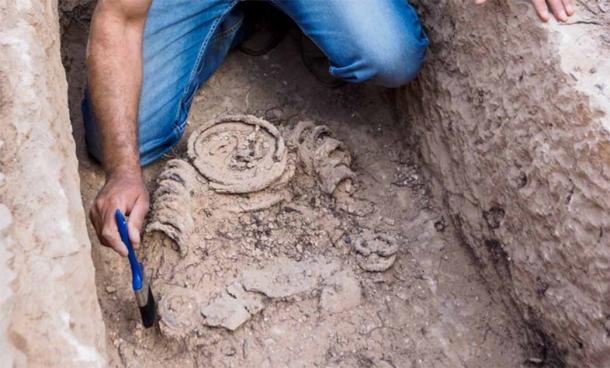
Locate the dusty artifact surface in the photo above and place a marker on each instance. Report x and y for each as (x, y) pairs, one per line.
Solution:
(297, 274)
(513, 125)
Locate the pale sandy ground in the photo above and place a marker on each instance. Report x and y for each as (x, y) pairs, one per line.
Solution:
(431, 309)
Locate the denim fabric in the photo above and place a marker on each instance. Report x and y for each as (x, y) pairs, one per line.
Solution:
(186, 40)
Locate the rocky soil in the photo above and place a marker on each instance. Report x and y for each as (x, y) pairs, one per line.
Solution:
(512, 124)
(370, 276)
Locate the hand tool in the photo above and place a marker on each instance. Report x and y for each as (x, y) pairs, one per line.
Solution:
(142, 289)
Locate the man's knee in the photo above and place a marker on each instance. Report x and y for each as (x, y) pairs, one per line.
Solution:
(396, 67)
(391, 56)
(393, 63)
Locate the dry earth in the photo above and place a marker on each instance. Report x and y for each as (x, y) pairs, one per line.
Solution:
(511, 118)
(430, 309)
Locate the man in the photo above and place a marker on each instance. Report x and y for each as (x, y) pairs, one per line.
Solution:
(148, 58)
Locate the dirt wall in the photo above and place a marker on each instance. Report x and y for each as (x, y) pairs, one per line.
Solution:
(49, 313)
(511, 119)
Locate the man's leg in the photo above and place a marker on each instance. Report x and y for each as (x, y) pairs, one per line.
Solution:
(381, 41)
(184, 43)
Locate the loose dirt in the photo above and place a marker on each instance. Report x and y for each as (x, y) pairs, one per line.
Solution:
(333, 256)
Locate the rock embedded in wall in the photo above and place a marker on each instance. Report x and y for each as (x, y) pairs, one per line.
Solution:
(511, 117)
(49, 314)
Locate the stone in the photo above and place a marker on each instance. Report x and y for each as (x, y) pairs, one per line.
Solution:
(508, 117)
(253, 302)
(49, 312)
(285, 277)
(232, 308)
(225, 311)
(281, 279)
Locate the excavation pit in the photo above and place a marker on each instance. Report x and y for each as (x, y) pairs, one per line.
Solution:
(329, 258)
(483, 185)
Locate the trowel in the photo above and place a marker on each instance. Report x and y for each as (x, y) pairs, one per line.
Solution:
(141, 287)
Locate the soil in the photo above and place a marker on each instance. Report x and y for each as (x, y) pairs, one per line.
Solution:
(364, 274)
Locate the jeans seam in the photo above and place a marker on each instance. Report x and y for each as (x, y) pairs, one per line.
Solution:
(177, 127)
(227, 31)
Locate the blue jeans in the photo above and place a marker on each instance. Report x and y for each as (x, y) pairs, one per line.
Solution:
(186, 40)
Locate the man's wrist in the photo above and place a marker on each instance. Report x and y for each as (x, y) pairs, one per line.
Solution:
(125, 170)
(124, 162)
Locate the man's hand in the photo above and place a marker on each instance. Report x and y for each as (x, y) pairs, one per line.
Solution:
(561, 9)
(127, 193)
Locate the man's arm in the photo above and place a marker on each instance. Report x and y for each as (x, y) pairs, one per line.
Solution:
(561, 9)
(114, 66)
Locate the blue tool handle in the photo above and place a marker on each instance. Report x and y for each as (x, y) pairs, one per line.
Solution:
(136, 267)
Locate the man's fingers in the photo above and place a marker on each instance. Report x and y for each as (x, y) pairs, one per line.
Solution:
(567, 4)
(542, 9)
(104, 234)
(558, 10)
(127, 194)
(136, 220)
(561, 9)
(138, 212)
(110, 234)
(94, 217)
(134, 234)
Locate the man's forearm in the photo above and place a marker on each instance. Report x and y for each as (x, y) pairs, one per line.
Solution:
(115, 78)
